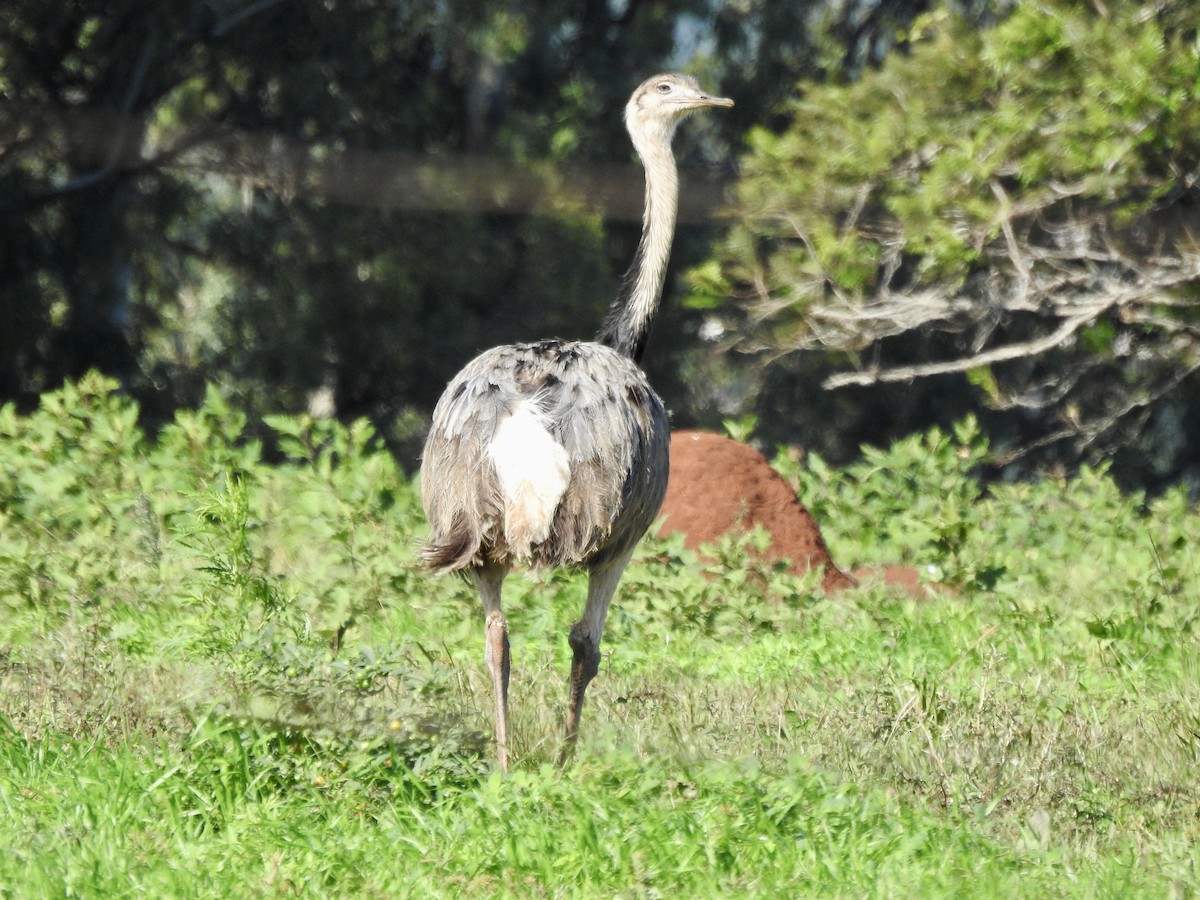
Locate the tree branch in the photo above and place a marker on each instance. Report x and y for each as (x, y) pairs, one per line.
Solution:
(986, 358)
(234, 19)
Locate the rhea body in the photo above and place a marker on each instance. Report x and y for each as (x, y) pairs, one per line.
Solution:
(555, 453)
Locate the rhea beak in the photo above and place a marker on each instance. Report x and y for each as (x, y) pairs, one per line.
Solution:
(705, 100)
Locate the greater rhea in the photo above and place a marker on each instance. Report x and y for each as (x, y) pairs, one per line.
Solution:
(554, 453)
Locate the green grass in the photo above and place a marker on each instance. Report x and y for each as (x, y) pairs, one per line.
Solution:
(220, 677)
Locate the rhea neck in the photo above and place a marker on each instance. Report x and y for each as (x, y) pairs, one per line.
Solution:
(627, 325)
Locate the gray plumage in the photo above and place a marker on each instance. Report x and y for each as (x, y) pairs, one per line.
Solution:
(555, 453)
(600, 409)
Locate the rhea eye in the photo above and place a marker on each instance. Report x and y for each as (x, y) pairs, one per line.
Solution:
(664, 87)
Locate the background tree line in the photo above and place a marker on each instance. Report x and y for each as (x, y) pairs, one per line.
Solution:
(941, 206)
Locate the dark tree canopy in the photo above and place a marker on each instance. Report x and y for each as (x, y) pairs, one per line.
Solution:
(333, 205)
(345, 198)
(287, 197)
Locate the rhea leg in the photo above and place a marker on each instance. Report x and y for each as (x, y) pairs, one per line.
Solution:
(585, 640)
(488, 580)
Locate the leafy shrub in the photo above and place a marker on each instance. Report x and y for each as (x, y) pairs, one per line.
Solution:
(231, 659)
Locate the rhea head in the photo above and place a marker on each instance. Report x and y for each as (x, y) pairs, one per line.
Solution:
(660, 103)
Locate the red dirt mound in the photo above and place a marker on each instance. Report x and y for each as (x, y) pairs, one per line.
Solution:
(719, 486)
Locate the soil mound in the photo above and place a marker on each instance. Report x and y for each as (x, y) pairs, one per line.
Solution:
(719, 486)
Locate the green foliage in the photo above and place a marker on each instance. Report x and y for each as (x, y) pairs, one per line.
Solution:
(1055, 95)
(957, 209)
(68, 479)
(220, 676)
(919, 495)
(740, 429)
(240, 595)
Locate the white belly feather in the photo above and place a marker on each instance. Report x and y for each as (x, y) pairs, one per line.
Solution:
(534, 471)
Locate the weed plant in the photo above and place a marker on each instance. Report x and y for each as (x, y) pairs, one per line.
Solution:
(223, 677)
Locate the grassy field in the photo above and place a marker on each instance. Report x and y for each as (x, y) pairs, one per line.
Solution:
(224, 678)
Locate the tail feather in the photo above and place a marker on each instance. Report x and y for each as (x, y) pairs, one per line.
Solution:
(457, 548)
